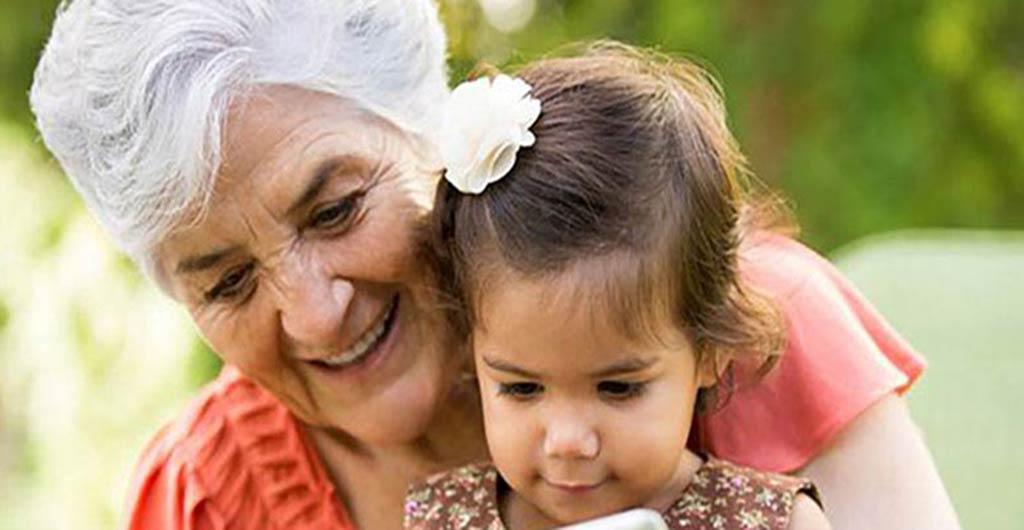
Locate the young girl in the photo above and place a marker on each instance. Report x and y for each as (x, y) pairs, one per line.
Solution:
(587, 233)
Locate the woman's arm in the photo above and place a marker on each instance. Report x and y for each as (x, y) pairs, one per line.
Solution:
(830, 410)
(807, 515)
(878, 474)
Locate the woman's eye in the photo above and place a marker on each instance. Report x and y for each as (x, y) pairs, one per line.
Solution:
(231, 284)
(620, 390)
(336, 213)
(521, 391)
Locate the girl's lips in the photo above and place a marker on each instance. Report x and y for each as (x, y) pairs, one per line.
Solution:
(574, 488)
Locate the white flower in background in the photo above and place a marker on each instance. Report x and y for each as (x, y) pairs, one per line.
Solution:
(485, 123)
(508, 16)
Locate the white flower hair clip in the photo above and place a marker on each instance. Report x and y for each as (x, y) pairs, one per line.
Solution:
(486, 122)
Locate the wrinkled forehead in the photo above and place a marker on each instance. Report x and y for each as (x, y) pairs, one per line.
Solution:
(273, 128)
(280, 143)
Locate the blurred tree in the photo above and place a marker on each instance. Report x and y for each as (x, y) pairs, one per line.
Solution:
(869, 115)
(24, 26)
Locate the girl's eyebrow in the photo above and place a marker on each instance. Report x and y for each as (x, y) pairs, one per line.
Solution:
(624, 367)
(505, 366)
(627, 366)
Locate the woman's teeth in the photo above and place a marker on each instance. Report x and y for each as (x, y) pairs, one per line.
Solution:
(364, 345)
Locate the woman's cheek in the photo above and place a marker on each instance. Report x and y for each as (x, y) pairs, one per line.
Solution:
(240, 336)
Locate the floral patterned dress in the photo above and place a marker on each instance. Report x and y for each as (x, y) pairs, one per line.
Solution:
(721, 496)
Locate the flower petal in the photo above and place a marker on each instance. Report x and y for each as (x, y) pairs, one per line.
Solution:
(486, 122)
(502, 160)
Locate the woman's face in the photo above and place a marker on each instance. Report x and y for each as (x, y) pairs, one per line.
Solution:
(304, 273)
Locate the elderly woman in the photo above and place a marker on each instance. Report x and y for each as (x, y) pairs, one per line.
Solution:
(268, 163)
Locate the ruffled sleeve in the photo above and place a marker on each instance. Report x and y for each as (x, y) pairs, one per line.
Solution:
(841, 357)
(157, 497)
(236, 459)
(165, 492)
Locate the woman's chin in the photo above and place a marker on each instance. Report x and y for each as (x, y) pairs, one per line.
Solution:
(392, 395)
(400, 414)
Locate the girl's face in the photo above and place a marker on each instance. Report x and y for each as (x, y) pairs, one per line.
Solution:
(580, 420)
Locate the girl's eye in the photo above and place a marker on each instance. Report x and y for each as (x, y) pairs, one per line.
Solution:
(336, 213)
(620, 390)
(231, 284)
(520, 391)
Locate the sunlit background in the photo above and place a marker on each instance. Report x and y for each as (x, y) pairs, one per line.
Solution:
(903, 118)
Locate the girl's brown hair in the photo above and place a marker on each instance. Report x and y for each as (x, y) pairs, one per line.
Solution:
(635, 175)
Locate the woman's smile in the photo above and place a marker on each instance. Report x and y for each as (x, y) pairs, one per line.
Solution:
(367, 346)
(365, 358)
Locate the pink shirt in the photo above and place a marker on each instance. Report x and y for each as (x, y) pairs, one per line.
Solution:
(238, 459)
(841, 357)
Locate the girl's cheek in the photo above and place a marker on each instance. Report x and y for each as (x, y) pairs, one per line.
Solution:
(497, 415)
(501, 414)
(508, 438)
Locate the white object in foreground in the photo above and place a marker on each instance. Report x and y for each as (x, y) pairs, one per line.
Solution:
(639, 519)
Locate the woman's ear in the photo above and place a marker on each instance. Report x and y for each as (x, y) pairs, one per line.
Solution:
(428, 156)
(425, 163)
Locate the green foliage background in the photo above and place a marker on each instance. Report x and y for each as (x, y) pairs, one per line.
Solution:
(870, 115)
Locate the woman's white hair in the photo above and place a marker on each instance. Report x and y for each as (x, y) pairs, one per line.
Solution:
(130, 95)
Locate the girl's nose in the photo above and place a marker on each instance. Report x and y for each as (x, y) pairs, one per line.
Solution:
(570, 438)
(314, 307)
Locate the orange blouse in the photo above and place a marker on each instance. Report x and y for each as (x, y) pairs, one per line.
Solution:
(237, 459)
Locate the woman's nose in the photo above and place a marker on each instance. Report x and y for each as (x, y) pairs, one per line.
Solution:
(571, 438)
(314, 308)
